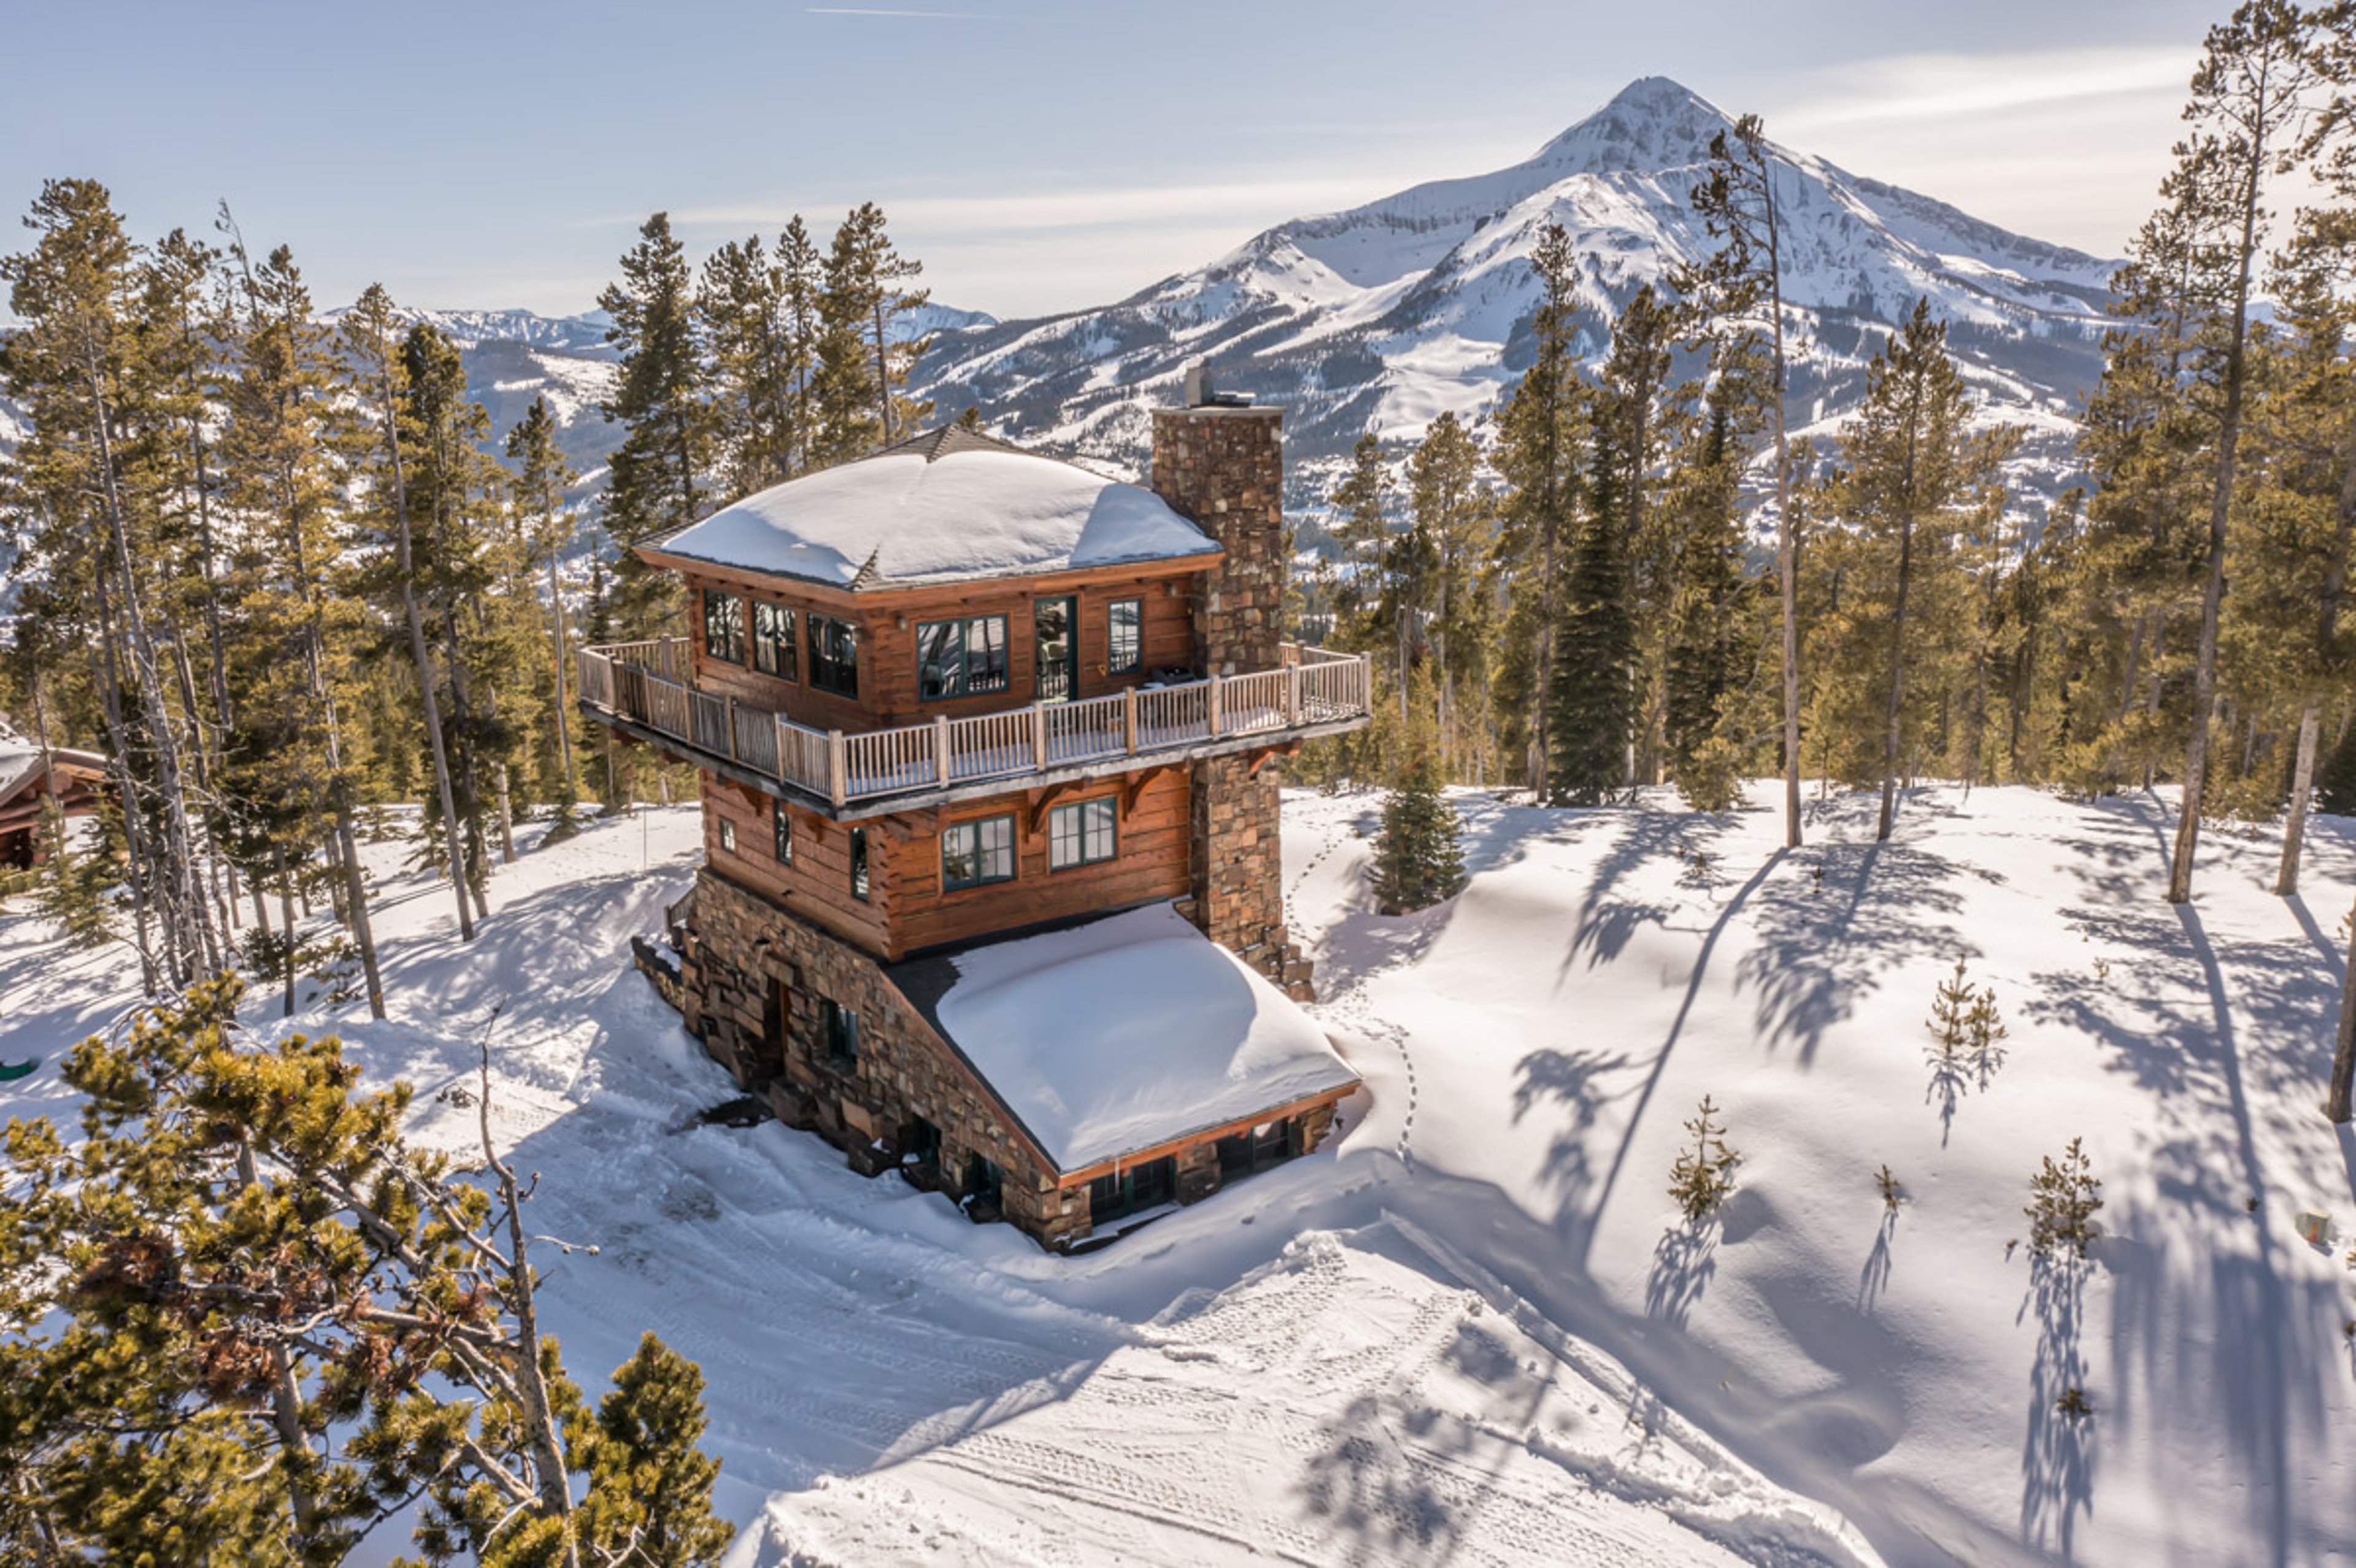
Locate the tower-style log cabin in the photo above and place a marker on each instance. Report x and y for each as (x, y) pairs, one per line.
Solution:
(991, 886)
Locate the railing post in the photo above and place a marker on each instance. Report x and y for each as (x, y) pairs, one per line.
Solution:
(838, 780)
(728, 712)
(1366, 683)
(1211, 706)
(1038, 739)
(779, 731)
(1291, 695)
(1129, 718)
(941, 761)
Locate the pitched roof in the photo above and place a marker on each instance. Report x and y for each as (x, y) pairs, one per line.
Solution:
(1117, 1034)
(950, 505)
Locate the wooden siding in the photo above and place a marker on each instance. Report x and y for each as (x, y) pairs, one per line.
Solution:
(1151, 862)
(887, 643)
(907, 909)
(817, 886)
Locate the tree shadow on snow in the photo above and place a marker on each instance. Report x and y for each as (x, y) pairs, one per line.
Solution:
(1570, 1083)
(1874, 1279)
(2057, 1455)
(1683, 1262)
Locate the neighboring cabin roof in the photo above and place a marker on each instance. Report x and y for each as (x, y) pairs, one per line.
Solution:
(951, 505)
(1122, 1033)
(20, 763)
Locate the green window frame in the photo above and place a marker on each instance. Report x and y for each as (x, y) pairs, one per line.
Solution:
(961, 658)
(724, 626)
(833, 655)
(781, 833)
(1125, 636)
(858, 864)
(1085, 833)
(975, 853)
(841, 1027)
(772, 640)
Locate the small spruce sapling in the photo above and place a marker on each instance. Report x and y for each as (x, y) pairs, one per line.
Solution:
(1892, 1192)
(1966, 1030)
(2074, 1403)
(2062, 1201)
(1703, 1178)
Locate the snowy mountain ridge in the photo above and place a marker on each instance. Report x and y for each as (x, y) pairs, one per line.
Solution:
(1383, 316)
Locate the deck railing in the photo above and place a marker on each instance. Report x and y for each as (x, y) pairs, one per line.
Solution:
(648, 684)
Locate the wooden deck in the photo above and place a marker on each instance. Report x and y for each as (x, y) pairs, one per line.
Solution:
(645, 689)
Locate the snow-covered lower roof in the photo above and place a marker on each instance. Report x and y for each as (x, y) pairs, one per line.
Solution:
(1112, 1037)
(949, 505)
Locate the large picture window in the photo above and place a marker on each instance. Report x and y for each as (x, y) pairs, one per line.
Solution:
(961, 658)
(973, 853)
(1082, 834)
(1126, 621)
(834, 655)
(772, 640)
(724, 626)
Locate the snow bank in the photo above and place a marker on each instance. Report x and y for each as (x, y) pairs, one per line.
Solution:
(1128, 1032)
(961, 516)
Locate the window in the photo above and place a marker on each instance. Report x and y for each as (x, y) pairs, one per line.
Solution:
(973, 853)
(841, 1033)
(728, 835)
(858, 864)
(724, 626)
(834, 655)
(958, 659)
(1139, 1187)
(1082, 834)
(1126, 620)
(1270, 1143)
(772, 640)
(781, 833)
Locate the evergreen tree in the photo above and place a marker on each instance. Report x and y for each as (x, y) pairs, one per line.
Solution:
(650, 1487)
(1452, 530)
(1729, 291)
(1541, 448)
(541, 477)
(658, 476)
(1708, 633)
(756, 366)
(2190, 284)
(1418, 861)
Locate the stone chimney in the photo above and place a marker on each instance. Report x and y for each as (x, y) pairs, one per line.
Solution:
(1220, 461)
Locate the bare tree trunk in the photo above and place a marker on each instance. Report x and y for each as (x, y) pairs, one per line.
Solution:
(2344, 1055)
(2302, 788)
(507, 819)
(287, 920)
(564, 718)
(1787, 548)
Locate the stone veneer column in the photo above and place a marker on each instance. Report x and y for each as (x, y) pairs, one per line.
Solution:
(1222, 468)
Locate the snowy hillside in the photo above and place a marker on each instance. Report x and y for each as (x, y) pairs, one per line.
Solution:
(1386, 315)
(1475, 1329)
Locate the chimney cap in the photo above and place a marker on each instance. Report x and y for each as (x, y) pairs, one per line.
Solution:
(1197, 392)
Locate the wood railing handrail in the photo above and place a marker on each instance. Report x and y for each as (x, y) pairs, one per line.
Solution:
(1308, 686)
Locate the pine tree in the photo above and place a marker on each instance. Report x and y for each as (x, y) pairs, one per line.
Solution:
(2190, 283)
(541, 477)
(1729, 290)
(1418, 861)
(1708, 633)
(1702, 1177)
(1541, 450)
(758, 364)
(657, 474)
(650, 1486)
(1452, 526)
(2063, 1199)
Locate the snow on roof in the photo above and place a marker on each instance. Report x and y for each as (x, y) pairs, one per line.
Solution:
(1128, 1032)
(949, 505)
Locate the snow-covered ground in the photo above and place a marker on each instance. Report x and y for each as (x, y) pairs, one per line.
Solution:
(1473, 1330)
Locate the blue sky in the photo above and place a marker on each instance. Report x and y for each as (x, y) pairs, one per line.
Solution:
(1037, 154)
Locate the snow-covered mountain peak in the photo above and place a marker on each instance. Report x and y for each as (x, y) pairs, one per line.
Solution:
(1650, 126)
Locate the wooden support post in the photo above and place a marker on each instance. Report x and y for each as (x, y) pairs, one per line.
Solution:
(1291, 695)
(728, 713)
(778, 728)
(1038, 738)
(943, 765)
(1211, 705)
(838, 782)
(1128, 716)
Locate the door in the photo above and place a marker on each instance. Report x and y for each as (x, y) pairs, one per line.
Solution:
(1059, 623)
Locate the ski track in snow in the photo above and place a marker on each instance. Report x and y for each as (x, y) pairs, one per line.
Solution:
(1472, 1330)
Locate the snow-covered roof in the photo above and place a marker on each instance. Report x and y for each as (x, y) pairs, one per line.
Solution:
(1111, 1037)
(949, 505)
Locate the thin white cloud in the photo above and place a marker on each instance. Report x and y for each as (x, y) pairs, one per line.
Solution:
(905, 16)
(1034, 212)
(1960, 88)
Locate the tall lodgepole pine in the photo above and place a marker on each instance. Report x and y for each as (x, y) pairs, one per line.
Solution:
(368, 330)
(1738, 200)
(541, 479)
(2247, 107)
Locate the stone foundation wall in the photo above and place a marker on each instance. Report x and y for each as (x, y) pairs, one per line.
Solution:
(741, 945)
